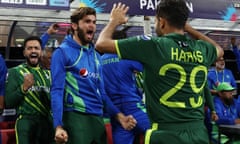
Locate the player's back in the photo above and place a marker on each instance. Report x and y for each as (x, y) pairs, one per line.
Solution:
(176, 75)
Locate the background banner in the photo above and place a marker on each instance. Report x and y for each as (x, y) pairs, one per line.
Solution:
(36, 4)
(207, 9)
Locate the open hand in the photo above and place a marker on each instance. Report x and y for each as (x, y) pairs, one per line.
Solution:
(118, 14)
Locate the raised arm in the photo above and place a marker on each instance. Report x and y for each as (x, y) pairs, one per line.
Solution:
(105, 43)
(198, 35)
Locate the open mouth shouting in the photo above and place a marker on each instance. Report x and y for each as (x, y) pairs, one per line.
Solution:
(90, 35)
(33, 59)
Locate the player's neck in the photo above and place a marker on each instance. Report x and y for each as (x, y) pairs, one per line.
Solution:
(170, 29)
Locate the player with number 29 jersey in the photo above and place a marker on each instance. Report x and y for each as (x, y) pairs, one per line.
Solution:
(180, 65)
(175, 71)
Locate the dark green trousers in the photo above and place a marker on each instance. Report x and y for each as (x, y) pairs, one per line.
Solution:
(177, 133)
(84, 129)
(34, 129)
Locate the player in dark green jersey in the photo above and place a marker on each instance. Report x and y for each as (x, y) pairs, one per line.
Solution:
(175, 71)
(28, 90)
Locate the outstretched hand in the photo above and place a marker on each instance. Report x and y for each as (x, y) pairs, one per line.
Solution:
(127, 122)
(118, 14)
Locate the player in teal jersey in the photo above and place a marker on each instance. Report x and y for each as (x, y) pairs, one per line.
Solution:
(28, 90)
(175, 71)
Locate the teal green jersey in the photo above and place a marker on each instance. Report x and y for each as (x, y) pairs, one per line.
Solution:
(36, 101)
(175, 72)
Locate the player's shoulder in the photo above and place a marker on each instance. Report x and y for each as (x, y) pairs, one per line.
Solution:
(227, 70)
(211, 70)
(143, 37)
(15, 69)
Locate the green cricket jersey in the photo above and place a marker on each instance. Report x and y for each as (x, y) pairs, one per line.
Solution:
(175, 73)
(37, 99)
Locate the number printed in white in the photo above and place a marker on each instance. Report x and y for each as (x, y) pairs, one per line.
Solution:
(182, 80)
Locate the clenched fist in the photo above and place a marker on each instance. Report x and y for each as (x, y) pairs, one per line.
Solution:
(61, 136)
(28, 81)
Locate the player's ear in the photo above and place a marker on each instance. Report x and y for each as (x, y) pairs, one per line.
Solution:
(24, 52)
(74, 26)
(162, 22)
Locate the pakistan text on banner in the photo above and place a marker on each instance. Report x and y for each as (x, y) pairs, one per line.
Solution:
(37, 4)
(207, 9)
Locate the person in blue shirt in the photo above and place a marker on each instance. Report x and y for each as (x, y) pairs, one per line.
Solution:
(235, 51)
(78, 97)
(121, 87)
(227, 109)
(47, 51)
(3, 74)
(226, 106)
(53, 29)
(219, 74)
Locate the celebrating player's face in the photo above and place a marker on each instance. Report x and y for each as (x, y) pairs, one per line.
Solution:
(32, 52)
(86, 29)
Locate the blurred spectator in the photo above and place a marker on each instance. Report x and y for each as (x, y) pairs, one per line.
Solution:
(47, 51)
(3, 74)
(46, 57)
(53, 29)
(227, 109)
(226, 105)
(219, 74)
(235, 51)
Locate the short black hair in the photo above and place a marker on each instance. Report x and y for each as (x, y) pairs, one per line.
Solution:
(30, 38)
(175, 12)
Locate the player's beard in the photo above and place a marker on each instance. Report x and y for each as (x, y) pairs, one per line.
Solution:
(82, 38)
(31, 63)
(159, 33)
(228, 101)
(158, 30)
(219, 66)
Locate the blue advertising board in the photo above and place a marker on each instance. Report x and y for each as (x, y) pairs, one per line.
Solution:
(38, 4)
(209, 9)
